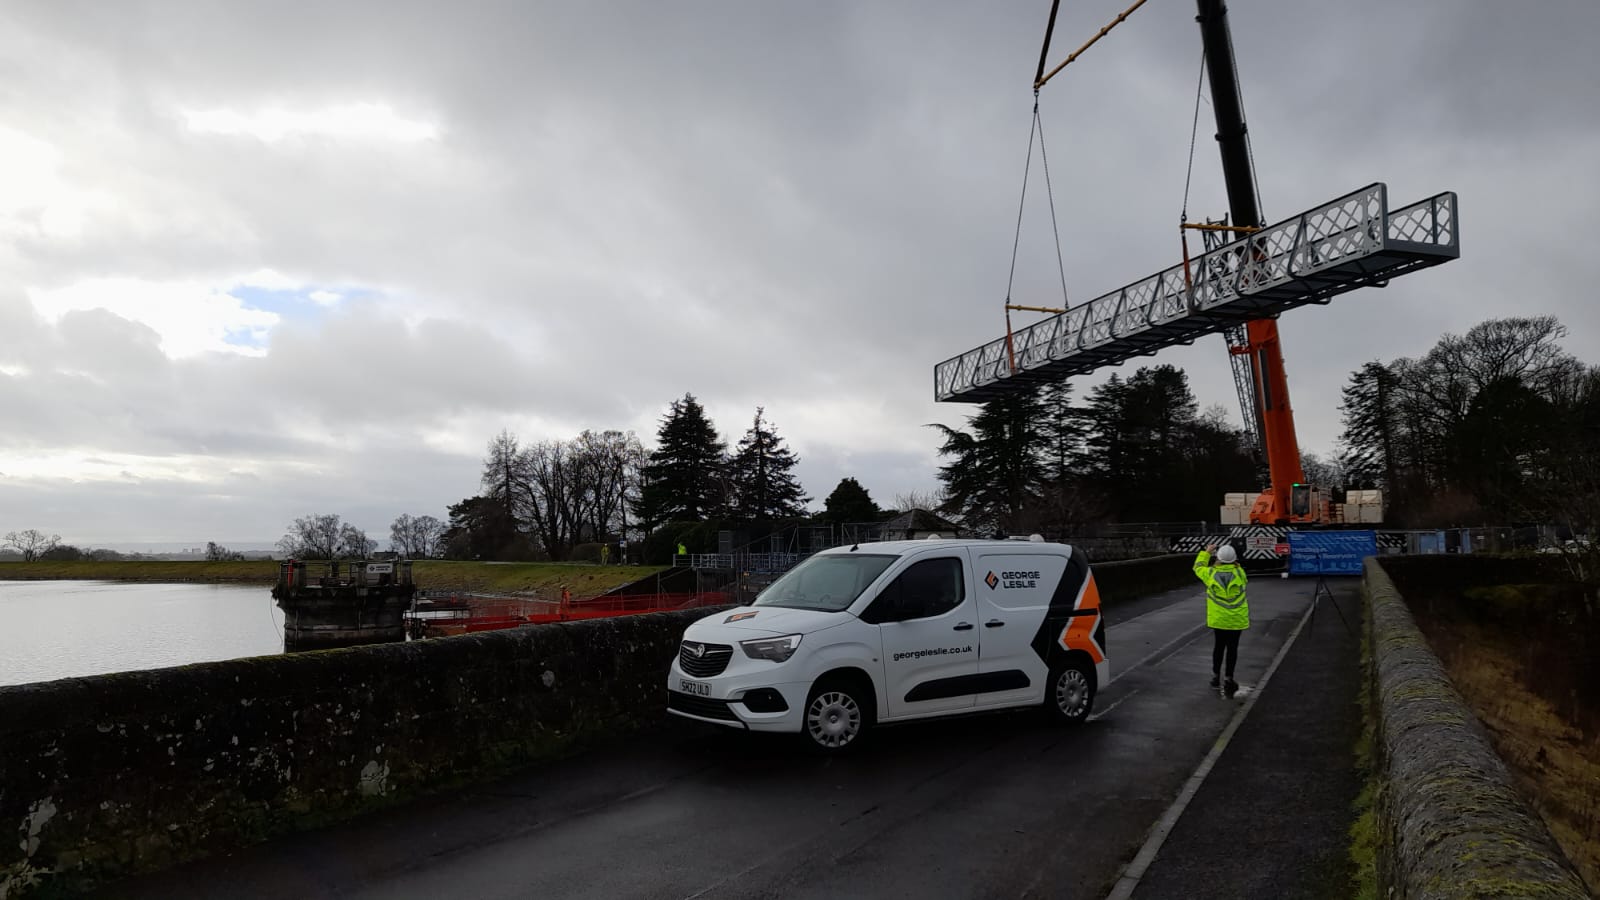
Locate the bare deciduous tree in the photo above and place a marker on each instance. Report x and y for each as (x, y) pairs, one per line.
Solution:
(564, 492)
(32, 543)
(910, 500)
(556, 506)
(1324, 473)
(608, 464)
(416, 537)
(312, 537)
(354, 543)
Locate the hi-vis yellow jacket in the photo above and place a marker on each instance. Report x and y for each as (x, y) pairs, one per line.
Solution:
(1226, 607)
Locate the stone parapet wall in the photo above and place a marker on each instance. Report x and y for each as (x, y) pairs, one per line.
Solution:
(1450, 820)
(116, 774)
(1127, 579)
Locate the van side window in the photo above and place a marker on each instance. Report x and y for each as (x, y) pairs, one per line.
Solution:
(928, 588)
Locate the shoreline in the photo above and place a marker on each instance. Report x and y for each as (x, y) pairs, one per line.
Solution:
(582, 579)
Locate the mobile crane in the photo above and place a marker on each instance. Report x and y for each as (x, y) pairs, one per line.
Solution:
(1288, 499)
(1250, 274)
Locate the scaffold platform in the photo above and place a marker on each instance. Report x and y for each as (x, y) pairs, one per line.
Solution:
(1352, 242)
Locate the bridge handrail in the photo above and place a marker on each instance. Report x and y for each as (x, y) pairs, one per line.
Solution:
(1341, 232)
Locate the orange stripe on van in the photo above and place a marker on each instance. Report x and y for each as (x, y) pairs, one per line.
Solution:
(1090, 598)
(1079, 633)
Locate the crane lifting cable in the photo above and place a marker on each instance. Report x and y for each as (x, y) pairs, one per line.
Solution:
(1252, 271)
(1037, 129)
(1184, 225)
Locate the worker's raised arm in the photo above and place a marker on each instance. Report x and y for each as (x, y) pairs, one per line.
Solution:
(1202, 563)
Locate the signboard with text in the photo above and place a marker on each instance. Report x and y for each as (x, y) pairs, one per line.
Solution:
(1330, 552)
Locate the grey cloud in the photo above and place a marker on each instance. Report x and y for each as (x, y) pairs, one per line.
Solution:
(764, 204)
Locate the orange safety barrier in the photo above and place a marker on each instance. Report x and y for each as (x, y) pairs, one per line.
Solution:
(463, 615)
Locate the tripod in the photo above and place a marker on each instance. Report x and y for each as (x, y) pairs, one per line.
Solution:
(1322, 590)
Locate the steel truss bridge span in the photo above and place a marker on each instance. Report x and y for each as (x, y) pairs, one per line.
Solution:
(1352, 242)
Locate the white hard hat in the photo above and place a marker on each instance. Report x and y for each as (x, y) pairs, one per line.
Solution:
(1225, 554)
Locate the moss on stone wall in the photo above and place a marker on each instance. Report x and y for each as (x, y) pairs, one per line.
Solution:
(121, 773)
(1449, 822)
(116, 774)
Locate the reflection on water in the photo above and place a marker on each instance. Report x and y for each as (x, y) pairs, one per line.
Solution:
(61, 629)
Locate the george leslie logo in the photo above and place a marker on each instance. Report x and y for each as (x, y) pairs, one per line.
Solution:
(1012, 580)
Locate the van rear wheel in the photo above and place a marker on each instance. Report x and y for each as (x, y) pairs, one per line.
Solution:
(839, 711)
(1070, 694)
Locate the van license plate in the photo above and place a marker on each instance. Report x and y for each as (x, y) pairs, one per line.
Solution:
(699, 689)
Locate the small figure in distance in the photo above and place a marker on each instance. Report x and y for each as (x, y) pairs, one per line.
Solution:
(1227, 610)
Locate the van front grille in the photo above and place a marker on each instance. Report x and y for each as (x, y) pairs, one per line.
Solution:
(703, 660)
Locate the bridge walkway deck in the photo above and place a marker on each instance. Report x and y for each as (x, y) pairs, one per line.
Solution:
(989, 806)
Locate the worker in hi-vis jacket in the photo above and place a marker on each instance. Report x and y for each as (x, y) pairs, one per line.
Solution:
(1227, 610)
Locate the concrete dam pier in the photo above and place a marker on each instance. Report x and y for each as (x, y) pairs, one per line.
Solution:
(343, 604)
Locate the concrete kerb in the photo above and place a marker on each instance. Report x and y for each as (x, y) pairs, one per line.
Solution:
(1450, 820)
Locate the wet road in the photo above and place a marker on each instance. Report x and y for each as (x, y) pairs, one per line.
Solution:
(1001, 805)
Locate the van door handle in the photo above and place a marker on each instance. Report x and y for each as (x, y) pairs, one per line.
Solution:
(993, 623)
(963, 626)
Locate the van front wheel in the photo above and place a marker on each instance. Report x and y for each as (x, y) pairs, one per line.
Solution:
(1070, 695)
(838, 712)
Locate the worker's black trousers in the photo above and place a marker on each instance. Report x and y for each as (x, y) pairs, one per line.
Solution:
(1227, 644)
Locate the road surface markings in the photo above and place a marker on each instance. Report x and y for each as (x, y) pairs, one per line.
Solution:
(1131, 876)
(1120, 700)
(1188, 637)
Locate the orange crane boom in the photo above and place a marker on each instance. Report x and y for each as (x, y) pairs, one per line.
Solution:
(1274, 506)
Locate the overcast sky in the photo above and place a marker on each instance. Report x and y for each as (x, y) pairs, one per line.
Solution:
(261, 260)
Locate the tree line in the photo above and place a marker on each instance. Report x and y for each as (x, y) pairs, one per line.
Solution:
(1496, 426)
(553, 498)
(1137, 449)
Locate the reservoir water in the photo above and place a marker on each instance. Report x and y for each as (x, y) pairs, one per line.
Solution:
(62, 629)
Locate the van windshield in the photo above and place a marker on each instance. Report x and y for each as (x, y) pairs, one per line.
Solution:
(825, 583)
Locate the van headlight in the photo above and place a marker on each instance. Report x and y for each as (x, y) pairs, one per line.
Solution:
(775, 649)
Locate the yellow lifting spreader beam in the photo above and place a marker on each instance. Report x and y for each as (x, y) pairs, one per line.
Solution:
(1244, 229)
(1039, 309)
(1039, 82)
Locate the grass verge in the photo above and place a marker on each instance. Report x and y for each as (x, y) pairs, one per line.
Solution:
(1556, 766)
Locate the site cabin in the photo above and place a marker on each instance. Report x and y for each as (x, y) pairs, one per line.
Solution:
(900, 630)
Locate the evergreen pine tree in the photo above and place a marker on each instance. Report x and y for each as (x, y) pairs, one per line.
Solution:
(1069, 498)
(682, 480)
(1103, 453)
(764, 486)
(1369, 413)
(850, 502)
(996, 474)
(1061, 430)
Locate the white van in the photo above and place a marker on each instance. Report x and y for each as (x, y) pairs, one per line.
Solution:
(899, 630)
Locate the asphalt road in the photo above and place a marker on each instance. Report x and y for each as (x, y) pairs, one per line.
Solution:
(1000, 805)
